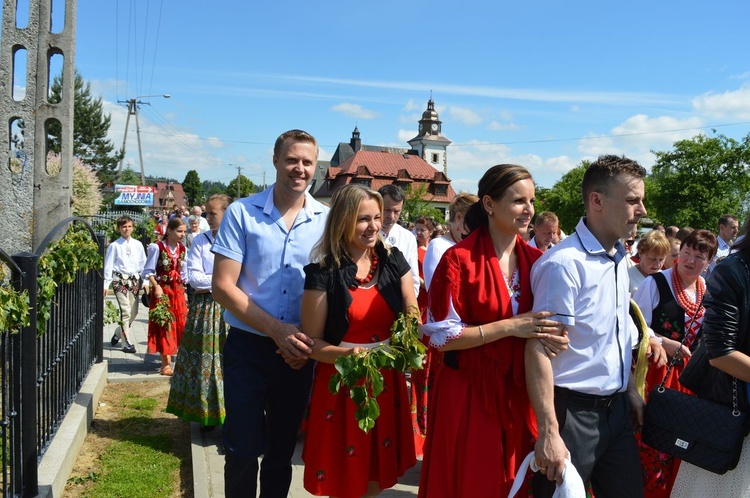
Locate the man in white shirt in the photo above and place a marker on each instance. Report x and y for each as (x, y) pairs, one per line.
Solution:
(202, 223)
(545, 230)
(123, 264)
(728, 228)
(396, 235)
(583, 396)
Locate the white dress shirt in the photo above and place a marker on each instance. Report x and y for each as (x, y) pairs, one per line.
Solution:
(123, 256)
(588, 290)
(200, 262)
(406, 242)
(435, 251)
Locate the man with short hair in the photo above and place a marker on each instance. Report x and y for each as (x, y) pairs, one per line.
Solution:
(396, 235)
(545, 230)
(263, 243)
(202, 222)
(584, 396)
(728, 228)
(671, 231)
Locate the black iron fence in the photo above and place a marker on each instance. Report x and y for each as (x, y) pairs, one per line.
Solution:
(41, 376)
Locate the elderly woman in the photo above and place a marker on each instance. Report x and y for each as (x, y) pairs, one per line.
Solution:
(669, 300)
(723, 354)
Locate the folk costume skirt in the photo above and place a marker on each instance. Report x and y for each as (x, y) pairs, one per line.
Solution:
(165, 340)
(197, 391)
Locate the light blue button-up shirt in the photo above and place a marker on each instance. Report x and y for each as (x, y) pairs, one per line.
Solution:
(253, 233)
(588, 289)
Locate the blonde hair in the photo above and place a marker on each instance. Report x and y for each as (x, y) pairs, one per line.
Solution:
(655, 240)
(461, 203)
(341, 224)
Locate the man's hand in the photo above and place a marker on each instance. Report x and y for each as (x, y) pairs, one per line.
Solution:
(292, 362)
(292, 342)
(637, 404)
(550, 453)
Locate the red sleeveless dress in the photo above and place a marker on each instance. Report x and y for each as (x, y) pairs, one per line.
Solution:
(339, 457)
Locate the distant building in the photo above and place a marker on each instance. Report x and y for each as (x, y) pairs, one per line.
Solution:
(426, 162)
(167, 195)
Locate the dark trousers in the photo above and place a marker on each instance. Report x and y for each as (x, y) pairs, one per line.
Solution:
(601, 444)
(265, 400)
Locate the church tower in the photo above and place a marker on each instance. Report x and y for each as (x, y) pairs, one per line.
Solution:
(430, 144)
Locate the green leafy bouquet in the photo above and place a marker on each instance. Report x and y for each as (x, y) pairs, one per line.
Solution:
(160, 314)
(360, 373)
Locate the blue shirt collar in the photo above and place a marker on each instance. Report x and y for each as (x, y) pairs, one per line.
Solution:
(592, 245)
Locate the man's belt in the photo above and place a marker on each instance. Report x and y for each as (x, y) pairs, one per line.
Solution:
(125, 276)
(583, 400)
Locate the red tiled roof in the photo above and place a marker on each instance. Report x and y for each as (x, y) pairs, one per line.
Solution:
(388, 164)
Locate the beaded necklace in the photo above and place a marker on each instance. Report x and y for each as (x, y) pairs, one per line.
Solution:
(371, 274)
(687, 304)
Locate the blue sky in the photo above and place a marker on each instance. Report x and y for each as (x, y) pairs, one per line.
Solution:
(543, 84)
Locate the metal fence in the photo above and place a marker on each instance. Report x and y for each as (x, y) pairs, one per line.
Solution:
(41, 376)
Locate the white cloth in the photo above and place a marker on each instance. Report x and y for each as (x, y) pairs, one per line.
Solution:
(571, 487)
(435, 251)
(406, 242)
(203, 225)
(200, 262)
(588, 290)
(636, 279)
(123, 256)
(152, 259)
(722, 251)
(695, 482)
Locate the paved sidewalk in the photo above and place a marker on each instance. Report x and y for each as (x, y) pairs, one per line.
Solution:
(208, 460)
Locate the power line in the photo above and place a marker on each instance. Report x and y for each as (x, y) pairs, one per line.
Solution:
(156, 45)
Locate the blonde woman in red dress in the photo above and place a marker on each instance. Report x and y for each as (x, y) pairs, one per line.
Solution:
(354, 291)
(165, 271)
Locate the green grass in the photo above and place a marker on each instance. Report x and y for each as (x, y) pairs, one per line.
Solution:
(145, 454)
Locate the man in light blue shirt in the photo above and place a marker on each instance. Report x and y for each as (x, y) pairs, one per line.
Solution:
(262, 245)
(583, 396)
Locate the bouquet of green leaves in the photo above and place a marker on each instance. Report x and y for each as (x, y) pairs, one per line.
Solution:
(160, 314)
(360, 373)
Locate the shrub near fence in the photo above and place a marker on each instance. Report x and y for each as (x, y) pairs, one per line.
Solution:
(43, 372)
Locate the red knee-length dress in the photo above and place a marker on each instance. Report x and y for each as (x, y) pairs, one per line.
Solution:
(165, 340)
(339, 457)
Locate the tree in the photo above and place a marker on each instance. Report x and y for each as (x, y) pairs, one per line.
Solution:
(416, 205)
(210, 188)
(193, 188)
(87, 198)
(565, 198)
(90, 127)
(128, 176)
(246, 187)
(701, 179)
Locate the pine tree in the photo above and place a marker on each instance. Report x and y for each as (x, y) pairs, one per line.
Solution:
(90, 127)
(193, 188)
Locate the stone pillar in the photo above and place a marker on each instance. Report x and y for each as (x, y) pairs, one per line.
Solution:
(34, 199)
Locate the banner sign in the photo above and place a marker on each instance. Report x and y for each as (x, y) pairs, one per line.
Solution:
(134, 195)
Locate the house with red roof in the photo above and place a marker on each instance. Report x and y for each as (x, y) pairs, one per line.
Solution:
(167, 195)
(425, 163)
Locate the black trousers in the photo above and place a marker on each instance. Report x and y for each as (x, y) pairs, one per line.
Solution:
(265, 400)
(601, 444)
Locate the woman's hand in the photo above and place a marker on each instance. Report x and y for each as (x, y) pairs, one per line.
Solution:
(158, 292)
(673, 347)
(550, 333)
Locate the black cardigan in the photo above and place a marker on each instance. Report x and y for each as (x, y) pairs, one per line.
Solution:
(337, 281)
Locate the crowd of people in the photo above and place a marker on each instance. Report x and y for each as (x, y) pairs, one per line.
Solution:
(532, 345)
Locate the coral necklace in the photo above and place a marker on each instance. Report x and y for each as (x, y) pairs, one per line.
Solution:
(371, 274)
(690, 307)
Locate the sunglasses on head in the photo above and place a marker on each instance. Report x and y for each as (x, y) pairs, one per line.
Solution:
(630, 242)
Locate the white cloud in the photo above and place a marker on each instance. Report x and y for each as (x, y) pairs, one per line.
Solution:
(464, 115)
(410, 106)
(741, 76)
(405, 135)
(498, 126)
(575, 108)
(733, 104)
(215, 142)
(354, 111)
(640, 134)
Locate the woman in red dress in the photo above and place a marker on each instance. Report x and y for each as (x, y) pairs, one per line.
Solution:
(165, 266)
(481, 424)
(353, 292)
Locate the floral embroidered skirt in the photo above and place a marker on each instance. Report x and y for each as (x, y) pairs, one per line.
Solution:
(197, 391)
(339, 457)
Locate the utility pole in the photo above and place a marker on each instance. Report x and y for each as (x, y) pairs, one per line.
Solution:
(133, 111)
(238, 180)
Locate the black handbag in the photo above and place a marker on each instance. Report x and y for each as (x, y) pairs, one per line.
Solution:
(700, 431)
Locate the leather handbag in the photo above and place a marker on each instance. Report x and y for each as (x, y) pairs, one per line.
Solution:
(700, 431)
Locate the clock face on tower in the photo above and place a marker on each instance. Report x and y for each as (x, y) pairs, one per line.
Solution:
(434, 127)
